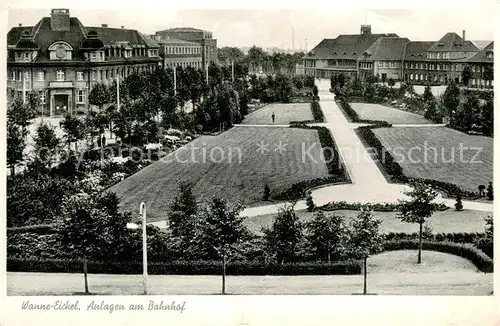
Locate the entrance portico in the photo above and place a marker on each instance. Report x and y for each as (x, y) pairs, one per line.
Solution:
(61, 99)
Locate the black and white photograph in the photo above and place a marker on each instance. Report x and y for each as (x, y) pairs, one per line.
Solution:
(248, 152)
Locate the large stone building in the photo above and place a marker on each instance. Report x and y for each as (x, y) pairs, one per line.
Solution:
(341, 54)
(61, 60)
(179, 53)
(203, 38)
(383, 58)
(391, 56)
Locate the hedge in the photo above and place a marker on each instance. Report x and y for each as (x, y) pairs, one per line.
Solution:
(395, 172)
(353, 115)
(349, 267)
(467, 251)
(317, 112)
(456, 237)
(385, 207)
(297, 190)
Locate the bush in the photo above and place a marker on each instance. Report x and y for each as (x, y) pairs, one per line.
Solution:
(350, 267)
(267, 192)
(460, 237)
(353, 115)
(317, 112)
(384, 207)
(39, 229)
(297, 190)
(310, 203)
(467, 251)
(458, 205)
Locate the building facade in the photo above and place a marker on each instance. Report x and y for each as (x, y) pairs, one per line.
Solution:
(179, 53)
(390, 56)
(383, 59)
(481, 66)
(203, 38)
(60, 60)
(340, 55)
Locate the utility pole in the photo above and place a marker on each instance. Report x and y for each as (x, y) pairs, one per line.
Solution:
(232, 71)
(175, 81)
(24, 86)
(118, 93)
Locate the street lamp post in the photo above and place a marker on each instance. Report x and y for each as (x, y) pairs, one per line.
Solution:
(142, 210)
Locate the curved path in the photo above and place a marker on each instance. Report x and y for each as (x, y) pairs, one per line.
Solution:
(368, 183)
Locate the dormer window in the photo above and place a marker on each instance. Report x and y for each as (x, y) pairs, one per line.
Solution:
(60, 51)
(440, 45)
(153, 53)
(489, 55)
(345, 53)
(335, 53)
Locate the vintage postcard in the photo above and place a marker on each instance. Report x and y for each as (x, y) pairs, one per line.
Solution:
(158, 159)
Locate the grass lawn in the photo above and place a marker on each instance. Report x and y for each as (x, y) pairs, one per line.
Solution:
(445, 221)
(370, 111)
(434, 153)
(240, 175)
(284, 113)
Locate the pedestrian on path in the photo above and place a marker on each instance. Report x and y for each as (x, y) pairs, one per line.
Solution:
(273, 117)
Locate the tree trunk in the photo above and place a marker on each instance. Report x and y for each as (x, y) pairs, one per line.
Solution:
(224, 273)
(329, 256)
(13, 169)
(420, 244)
(85, 274)
(364, 276)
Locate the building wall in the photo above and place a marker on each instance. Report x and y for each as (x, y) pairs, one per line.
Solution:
(391, 69)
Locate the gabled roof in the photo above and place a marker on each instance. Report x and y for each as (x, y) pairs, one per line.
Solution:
(385, 48)
(183, 29)
(345, 46)
(417, 51)
(481, 56)
(453, 42)
(42, 36)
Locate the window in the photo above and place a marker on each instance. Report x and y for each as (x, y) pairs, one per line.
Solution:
(411, 76)
(421, 76)
(13, 75)
(60, 75)
(101, 55)
(92, 55)
(26, 56)
(94, 75)
(79, 75)
(80, 96)
(41, 97)
(40, 76)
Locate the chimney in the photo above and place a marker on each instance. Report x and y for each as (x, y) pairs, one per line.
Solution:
(59, 20)
(463, 34)
(123, 27)
(366, 29)
(104, 25)
(20, 25)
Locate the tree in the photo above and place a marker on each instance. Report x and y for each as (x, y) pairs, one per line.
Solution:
(99, 95)
(481, 189)
(310, 203)
(418, 208)
(183, 215)
(15, 145)
(391, 82)
(90, 224)
(489, 191)
(384, 79)
(46, 142)
(220, 230)
(485, 243)
(315, 91)
(20, 114)
(487, 112)
(365, 238)
(267, 192)
(73, 128)
(283, 238)
(458, 205)
(451, 98)
(327, 236)
(428, 96)
(466, 75)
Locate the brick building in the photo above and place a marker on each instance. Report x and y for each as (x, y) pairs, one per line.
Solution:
(179, 53)
(60, 60)
(203, 38)
(481, 65)
(383, 59)
(415, 65)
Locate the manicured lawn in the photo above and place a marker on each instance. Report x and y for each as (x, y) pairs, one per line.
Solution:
(239, 176)
(434, 153)
(284, 113)
(441, 222)
(370, 111)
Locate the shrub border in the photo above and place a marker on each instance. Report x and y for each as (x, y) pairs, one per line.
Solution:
(469, 252)
(348, 267)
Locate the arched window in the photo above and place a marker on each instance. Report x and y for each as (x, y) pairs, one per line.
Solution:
(60, 50)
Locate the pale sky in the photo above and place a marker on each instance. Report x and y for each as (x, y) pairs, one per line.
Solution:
(274, 27)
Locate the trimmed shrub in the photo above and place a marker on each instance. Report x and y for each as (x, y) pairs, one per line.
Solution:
(267, 192)
(385, 207)
(297, 190)
(459, 237)
(317, 112)
(349, 267)
(467, 251)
